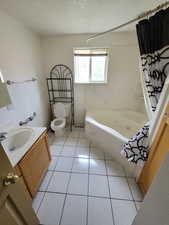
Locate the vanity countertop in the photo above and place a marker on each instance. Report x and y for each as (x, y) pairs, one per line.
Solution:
(16, 155)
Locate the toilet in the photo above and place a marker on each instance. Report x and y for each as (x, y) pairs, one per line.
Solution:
(58, 124)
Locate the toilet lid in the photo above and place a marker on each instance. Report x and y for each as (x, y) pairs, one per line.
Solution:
(57, 122)
(59, 110)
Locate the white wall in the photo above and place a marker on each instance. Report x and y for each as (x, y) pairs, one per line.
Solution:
(123, 89)
(20, 58)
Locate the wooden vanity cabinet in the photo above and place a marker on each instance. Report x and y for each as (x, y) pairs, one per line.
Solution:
(34, 164)
(25, 189)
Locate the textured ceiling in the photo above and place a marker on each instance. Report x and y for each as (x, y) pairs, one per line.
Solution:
(51, 17)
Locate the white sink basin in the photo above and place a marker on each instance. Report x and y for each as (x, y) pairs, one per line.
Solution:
(17, 138)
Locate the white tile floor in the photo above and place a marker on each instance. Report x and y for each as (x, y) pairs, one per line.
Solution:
(84, 186)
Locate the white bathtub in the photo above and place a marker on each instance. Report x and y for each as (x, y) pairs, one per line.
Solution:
(110, 129)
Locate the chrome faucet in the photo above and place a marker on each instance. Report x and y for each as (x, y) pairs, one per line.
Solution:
(3, 136)
(21, 123)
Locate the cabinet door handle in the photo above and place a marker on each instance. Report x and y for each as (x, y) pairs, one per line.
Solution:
(11, 178)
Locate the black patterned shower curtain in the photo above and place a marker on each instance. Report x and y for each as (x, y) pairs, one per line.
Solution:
(153, 39)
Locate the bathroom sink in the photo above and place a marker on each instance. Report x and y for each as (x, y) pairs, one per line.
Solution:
(17, 138)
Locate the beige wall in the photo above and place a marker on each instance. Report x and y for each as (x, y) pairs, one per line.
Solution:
(123, 89)
(20, 59)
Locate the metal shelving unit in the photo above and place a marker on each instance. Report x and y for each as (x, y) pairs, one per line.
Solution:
(61, 88)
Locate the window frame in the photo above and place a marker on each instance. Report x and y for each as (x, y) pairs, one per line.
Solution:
(90, 66)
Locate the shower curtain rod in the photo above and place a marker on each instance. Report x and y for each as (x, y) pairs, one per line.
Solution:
(142, 15)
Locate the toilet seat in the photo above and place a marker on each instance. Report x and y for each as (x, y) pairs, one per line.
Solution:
(58, 123)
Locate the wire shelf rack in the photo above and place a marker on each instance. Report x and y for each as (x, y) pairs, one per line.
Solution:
(61, 88)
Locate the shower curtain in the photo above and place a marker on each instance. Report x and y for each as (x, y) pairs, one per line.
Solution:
(153, 39)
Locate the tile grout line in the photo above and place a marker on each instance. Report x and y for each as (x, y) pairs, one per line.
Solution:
(136, 205)
(71, 172)
(93, 196)
(131, 193)
(40, 204)
(97, 174)
(72, 156)
(67, 184)
(113, 219)
(89, 158)
(63, 209)
(87, 212)
(61, 149)
(127, 179)
(48, 182)
(45, 191)
(66, 194)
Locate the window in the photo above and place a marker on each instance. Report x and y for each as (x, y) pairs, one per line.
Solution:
(90, 65)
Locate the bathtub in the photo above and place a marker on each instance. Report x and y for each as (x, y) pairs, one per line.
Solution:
(110, 129)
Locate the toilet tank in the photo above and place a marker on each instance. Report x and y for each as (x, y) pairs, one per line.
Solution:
(61, 110)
